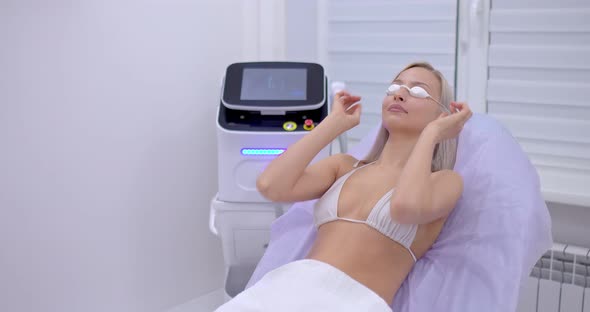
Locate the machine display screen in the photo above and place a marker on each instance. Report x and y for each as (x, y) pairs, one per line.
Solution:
(274, 84)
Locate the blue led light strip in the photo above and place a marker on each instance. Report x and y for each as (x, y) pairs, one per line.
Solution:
(262, 151)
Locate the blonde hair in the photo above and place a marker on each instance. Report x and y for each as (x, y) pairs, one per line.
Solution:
(445, 152)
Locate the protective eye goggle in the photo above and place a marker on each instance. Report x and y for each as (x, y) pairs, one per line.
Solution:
(414, 91)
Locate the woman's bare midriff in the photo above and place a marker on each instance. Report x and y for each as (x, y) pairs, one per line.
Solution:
(368, 256)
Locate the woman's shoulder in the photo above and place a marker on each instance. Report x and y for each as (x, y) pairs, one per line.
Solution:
(346, 163)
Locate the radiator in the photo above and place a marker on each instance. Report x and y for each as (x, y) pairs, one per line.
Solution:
(559, 282)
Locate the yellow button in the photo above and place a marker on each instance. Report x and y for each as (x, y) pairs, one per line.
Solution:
(289, 126)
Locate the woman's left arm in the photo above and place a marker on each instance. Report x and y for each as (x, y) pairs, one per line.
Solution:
(422, 196)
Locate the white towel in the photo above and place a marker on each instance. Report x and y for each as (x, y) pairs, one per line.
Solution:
(306, 285)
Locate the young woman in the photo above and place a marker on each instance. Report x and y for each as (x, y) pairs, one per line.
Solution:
(375, 216)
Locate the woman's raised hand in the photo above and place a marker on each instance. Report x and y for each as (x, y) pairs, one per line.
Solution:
(346, 110)
(448, 126)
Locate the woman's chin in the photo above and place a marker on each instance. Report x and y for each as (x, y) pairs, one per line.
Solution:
(395, 120)
(395, 123)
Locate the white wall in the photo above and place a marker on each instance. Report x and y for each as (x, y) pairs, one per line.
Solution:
(108, 153)
(570, 224)
(302, 30)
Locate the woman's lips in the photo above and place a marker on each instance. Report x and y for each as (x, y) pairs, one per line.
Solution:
(396, 108)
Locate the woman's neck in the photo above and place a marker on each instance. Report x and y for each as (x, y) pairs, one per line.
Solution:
(397, 150)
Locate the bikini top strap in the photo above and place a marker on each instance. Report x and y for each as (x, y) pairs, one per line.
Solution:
(359, 161)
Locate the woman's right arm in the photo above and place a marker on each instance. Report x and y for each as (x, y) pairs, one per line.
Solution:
(290, 178)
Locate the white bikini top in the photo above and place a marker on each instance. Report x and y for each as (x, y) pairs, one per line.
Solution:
(326, 210)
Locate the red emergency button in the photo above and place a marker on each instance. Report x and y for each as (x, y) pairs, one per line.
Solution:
(308, 124)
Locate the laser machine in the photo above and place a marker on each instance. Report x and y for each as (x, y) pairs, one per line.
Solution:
(264, 108)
